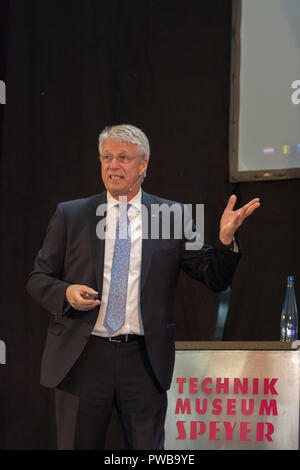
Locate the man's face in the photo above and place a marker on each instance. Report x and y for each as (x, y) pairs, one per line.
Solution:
(122, 178)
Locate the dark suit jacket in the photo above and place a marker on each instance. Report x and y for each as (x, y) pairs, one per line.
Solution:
(73, 254)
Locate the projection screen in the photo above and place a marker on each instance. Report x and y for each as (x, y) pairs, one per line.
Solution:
(265, 91)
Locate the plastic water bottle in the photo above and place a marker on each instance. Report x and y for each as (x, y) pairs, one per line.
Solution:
(289, 314)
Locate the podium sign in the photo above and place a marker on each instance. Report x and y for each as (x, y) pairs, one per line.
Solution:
(234, 399)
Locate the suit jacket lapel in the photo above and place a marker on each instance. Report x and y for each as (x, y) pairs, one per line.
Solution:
(98, 220)
(147, 242)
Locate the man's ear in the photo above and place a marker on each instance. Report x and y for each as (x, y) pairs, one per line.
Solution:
(143, 167)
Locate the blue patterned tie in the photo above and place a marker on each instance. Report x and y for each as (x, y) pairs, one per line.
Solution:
(116, 305)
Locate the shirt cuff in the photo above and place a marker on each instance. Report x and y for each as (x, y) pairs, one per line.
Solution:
(67, 307)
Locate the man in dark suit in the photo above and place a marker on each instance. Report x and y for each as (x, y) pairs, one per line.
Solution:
(118, 349)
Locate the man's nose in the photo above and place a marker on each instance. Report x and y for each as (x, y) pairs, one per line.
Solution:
(114, 163)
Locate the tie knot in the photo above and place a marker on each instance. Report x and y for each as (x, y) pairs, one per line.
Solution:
(123, 229)
(123, 206)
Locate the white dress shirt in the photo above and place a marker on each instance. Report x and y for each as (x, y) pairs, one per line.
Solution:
(133, 321)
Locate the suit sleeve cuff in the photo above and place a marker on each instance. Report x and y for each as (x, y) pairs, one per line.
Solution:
(234, 247)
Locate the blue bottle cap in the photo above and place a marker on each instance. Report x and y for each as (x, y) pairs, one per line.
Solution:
(291, 278)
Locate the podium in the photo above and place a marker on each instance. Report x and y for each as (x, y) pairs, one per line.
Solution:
(234, 396)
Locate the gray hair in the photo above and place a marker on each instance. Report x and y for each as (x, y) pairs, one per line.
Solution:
(127, 133)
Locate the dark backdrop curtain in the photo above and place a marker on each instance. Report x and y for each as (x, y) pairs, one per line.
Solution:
(72, 67)
(271, 253)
